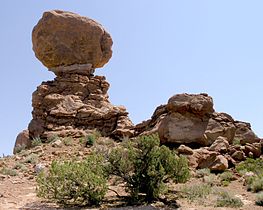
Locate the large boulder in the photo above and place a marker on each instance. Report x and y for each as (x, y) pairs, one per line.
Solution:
(64, 38)
(203, 158)
(219, 125)
(22, 141)
(187, 119)
(244, 133)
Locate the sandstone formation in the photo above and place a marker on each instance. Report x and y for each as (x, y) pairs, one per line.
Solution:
(207, 138)
(64, 38)
(76, 101)
(187, 118)
(72, 105)
(22, 141)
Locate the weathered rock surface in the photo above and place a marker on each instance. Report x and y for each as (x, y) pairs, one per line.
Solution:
(76, 101)
(187, 119)
(22, 141)
(244, 133)
(220, 145)
(74, 104)
(64, 38)
(203, 158)
(189, 122)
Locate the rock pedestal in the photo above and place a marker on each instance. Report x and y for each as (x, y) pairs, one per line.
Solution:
(74, 104)
(76, 101)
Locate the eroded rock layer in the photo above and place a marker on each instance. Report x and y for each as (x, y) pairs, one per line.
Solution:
(73, 104)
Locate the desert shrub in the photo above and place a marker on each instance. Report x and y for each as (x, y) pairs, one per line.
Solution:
(32, 158)
(68, 141)
(145, 166)
(210, 179)
(18, 149)
(36, 141)
(8, 171)
(236, 141)
(254, 165)
(226, 177)
(198, 191)
(90, 140)
(74, 183)
(255, 184)
(227, 200)
(53, 138)
(20, 166)
(259, 199)
(203, 172)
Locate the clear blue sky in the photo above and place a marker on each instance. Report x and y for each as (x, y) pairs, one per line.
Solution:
(161, 48)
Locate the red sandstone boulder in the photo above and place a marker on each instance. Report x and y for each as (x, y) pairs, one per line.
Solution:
(64, 38)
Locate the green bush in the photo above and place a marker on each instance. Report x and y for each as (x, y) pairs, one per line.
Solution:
(226, 177)
(74, 183)
(90, 140)
(8, 171)
(259, 199)
(32, 158)
(227, 200)
(145, 166)
(254, 165)
(68, 141)
(36, 142)
(255, 184)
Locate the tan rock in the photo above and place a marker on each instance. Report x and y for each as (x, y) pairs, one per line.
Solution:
(238, 155)
(199, 104)
(74, 104)
(220, 124)
(182, 149)
(244, 133)
(64, 38)
(254, 149)
(22, 141)
(187, 119)
(220, 145)
(203, 158)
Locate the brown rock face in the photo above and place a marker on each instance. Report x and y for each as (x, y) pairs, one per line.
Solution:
(203, 158)
(22, 141)
(64, 38)
(187, 119)
(74, 104)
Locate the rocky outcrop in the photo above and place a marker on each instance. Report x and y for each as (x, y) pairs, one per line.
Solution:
(208, 138)
(64, 38)
(73, 104)
(76, 101)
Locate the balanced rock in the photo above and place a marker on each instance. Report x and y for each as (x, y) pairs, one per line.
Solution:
(76, 101)
(64, 38)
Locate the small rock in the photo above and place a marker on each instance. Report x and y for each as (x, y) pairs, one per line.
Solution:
(182, 149)
(220, 145)
(57, 143)
(80, 153)
(39, 168)
(238, 155)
